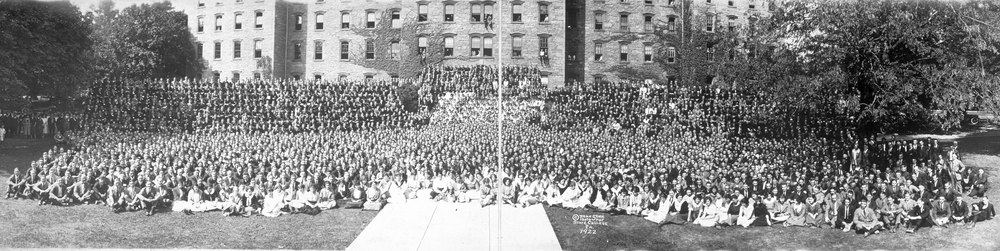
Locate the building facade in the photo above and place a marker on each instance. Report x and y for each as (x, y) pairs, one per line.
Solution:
(570, 40)
(619, 34)
(357, 39)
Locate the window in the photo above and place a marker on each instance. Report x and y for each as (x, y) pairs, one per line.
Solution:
(345, 20)
(296, 76)
(317, 77)
(623, 22)
(256, 75)
(647, 23)
(394, 50)
(488, 47)
(732, 3)
(239, 21)
(369, 76)
(318, 51)
(258, 20)
(369, 49)
(623, 52)
(342, 77)
(598, 78)
(710, 24)
(201, 3)
(647, 53)
(732, 24)
(421, 45)
(297, 51)
(753, 4)
(257, 47)
(543, 50)
(200, 50)
(344, 50)
(298, 22)
(672, 24)
(477, 13)
(236, 77)
(670, 2)
(201, 24)
(517, 43)
(218, 50)
(218, 22)
(671, 54)
(476, 44)
(422, 13)
(370, 20)
(710, 50)
(216, 76)
(449, 46)
(515, 13)
(599, 21)
(488, 12)
(395, 20)
(320, 19)
(598, 51)
(449, 13)
(648, 2)
(543, 13)
(236, 49)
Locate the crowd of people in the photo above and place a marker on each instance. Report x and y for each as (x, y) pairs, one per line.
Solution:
(253, 105)
(673, 155)
(36, 125)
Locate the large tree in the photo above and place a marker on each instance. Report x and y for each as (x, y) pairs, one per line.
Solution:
(144, 41)
(44, 50)
(895, 62)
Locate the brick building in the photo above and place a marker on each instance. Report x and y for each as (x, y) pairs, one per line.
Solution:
(569, 40)
(616, 34)
(356, 39)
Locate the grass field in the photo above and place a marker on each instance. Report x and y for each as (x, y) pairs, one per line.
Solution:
(28, 225)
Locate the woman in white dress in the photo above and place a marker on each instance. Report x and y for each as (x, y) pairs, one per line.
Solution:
(273, 203)
(709, 216)
(395, 190)
(746, 214)
(552, 195)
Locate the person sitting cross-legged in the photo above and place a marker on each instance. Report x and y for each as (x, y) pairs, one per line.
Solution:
(866, 220)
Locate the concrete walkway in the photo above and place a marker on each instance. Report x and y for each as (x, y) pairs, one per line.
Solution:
(418, 225)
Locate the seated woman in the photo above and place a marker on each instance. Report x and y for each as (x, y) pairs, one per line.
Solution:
(553, 197)
(232, 204)
(325, 199)
(192, 204)
(441, 188)
(779, 214)
(274, 202)
(374, 201)
(509, 193)
(395, 190)
(652, 204)
(761, 217)
(425, 191)
(15, 184)
(797, 215)
(529, 195)
(746, 214)
(635, 200)
(709, 216)
(488, 196)
(815, 217)
(571, 197)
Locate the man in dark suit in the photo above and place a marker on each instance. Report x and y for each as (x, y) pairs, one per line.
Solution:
(982, 211)
(959, 210)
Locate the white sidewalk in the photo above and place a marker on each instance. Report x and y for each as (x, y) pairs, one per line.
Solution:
(457, 226)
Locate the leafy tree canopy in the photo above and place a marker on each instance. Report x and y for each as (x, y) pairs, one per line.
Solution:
(144, 41)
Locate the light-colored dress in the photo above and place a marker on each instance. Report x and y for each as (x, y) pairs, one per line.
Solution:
(709, 217)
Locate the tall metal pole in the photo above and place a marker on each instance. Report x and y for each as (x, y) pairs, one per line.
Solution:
(500, 117)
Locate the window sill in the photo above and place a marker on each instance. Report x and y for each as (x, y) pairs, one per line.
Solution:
(237, 59)
(317, 60)
(623, 62)
(449, 22)
(260, 28)
(520, 57)
(476, 22)
(255, 58)
(517, 22)
(345, 60)
(545, 23)
(217, 59)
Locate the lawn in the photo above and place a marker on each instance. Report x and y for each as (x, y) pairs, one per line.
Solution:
(634, 233)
